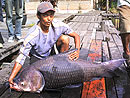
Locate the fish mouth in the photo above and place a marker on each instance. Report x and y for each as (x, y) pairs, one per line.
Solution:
(17, 88)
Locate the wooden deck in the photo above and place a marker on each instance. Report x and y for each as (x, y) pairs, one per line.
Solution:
(99, 43)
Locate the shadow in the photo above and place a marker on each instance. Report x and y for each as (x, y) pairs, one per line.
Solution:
(1, 39)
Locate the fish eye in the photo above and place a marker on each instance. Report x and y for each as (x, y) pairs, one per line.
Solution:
(22, 83)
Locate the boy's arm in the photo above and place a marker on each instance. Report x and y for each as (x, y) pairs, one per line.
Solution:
(15, 70)
(75, 55)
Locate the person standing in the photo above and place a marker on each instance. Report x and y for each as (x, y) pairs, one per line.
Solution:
(1, 20)
(124, 11)
(1, 14)
(18, 5)
(41, 38)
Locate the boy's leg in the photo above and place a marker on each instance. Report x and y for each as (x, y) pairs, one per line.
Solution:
(125, 41)
(19, 17)
(63, 43)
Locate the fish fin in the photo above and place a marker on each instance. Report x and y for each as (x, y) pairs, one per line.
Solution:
(109, 74)
(66, 53)
(53, 89)
(38, 91)
(73, 85)
(43, 82)
(114, 73)
(97, 62)
(96, 78)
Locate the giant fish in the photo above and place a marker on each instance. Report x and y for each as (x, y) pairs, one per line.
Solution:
(58, 71)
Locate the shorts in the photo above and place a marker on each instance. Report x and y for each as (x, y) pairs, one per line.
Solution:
(34, 59)
(124, 12)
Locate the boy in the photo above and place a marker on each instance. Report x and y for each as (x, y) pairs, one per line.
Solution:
(41, 38)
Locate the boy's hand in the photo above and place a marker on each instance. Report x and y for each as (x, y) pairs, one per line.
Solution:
(74, 56)
(14, 86)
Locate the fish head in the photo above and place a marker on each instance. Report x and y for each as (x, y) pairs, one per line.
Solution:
(30, 80)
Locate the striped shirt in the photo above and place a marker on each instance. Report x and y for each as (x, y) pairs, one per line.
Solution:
(39, 44)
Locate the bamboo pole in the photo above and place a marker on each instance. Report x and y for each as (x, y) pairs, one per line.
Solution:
(107, 6)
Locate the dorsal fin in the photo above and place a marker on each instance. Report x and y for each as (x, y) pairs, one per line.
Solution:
(66, 53)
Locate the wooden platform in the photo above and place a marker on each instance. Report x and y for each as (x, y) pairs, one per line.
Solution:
(98, 44)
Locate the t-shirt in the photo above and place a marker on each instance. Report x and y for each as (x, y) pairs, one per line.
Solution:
(123, 2)
(39, 44)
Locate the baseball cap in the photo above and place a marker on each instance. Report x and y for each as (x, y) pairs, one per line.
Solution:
(45, 6)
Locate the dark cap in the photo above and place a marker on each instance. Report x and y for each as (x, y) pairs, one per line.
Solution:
(44, 7)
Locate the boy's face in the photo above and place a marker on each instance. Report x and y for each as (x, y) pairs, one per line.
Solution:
(46, 18)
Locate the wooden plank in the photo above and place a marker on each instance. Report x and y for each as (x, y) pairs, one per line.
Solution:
(76, 18)
(86, 19)
(82, 19)
(84, 27)
(110, 14)
(66, 20)
(91, 26)
(71, 24)
(9, 49)
(94, 89)
(85, 44)
(77, 27)
(90, 13)
(111, 28)
(3, 88)
(92, 19)
(111, 91)
(99, 35)
(44, 94)
(29, 95)
(72, 92)
(99, 19)
(11, 94)
(95, 51)
(117, 40)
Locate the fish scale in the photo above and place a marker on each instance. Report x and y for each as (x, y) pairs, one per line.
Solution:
(62, 75)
